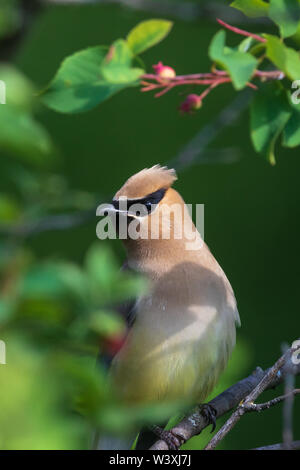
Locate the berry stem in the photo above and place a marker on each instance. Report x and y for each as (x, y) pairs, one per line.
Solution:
(241, 31)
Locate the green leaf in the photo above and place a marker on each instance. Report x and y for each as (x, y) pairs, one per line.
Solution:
(27, 379)
(285, 58)
(252, 46)
(296, 35)
(107, 323)
(24, 137)
(246, 44)
(71, 278)
(291, 132)
(42, 281)
(286, 14)
(240, 65)
(7, 306)
(79, 84)
(269, 113)
(117, 67)
(148, 33)
(251, 8)
(19, 89)
(131, 286)
(101, 266)
(9, 209)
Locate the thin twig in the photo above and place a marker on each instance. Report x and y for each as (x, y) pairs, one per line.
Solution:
(265, 406)
(213, 79)
(289, 382)
(194, 150)
(205, 78)
(229, 399)
(241, 410)
(241, 31)
(295, 445)
(48, 223)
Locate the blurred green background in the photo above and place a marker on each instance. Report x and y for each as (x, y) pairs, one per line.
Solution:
(251, 208)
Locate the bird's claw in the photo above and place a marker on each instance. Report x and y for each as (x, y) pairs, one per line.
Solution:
(209, 413)
(172, 440)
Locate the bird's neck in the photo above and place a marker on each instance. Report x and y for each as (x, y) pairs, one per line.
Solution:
(153, 256)
(169, 237)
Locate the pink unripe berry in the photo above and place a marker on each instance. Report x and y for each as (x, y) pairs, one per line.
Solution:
(164, 71)
(191, 103)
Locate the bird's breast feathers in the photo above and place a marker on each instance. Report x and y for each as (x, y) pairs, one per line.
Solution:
(180, 342)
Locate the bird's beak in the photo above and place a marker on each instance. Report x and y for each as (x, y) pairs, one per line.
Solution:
(113, 207)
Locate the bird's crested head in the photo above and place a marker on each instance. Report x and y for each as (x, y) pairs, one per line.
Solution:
(146, 182)
(146, 192)
(147, 209)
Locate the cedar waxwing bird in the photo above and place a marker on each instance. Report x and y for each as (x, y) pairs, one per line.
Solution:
(182, 331)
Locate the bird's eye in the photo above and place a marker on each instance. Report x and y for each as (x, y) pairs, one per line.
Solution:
(149, 202)
(153, 199)
(148, 206)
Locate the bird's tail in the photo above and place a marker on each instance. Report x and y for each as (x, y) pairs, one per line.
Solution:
(146, 439)
(112, 442)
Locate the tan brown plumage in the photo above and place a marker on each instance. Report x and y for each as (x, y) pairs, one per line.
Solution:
(184, 329)
(147, 181)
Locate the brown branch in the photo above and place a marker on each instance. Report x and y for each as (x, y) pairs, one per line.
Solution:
(241, 31)
(164, 81)
(195, 151)
(264, 383)
(48, 223)
(212, 79)
(295, 445)
(194, 423)
(289, 384)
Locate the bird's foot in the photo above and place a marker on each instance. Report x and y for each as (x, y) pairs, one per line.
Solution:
(209, 413)
(172, 440)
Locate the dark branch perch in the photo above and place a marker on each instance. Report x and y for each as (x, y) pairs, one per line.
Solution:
(48, 223)
(243, 408)
(247, 389)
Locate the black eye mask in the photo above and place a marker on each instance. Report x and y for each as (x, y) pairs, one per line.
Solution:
(148, 201)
